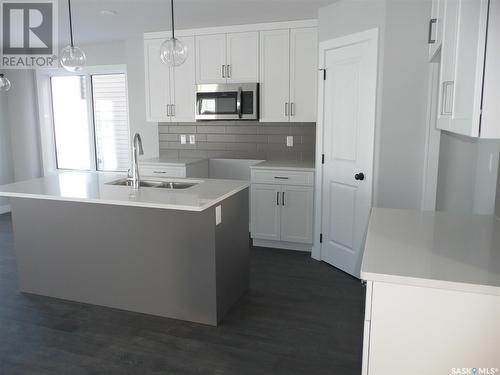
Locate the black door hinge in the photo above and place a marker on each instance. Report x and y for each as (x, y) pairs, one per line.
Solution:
(323, 159)
(321, 238)
(324, 74)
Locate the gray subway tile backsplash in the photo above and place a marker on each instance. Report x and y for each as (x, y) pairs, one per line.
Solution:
(241, 140)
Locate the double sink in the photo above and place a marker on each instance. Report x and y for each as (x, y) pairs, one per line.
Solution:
(154, 184)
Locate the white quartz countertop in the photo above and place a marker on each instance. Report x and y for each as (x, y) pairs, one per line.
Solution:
(433, 249)
(92, 187)
(171, 161)
(285, 164)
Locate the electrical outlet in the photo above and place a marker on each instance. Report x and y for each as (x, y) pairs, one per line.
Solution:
(183, 139)
(289, 141)
(192, 139)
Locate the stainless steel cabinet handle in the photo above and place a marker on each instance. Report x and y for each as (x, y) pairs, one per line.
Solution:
(229, 71)
(286, 109)
(168, 110)
(223, 71)
(281, 178)
(447, 98)
(283, 199)
(159, 172)
(292, 109)
(432, 22)
(277, 198)
(172, 110)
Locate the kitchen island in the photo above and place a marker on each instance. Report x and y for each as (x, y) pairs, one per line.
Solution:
(178, 253)
(433, 293)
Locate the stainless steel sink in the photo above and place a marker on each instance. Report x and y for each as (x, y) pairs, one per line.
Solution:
(175, 185)
(154, 184)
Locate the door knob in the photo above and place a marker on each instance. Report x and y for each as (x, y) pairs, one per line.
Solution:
(359, 176)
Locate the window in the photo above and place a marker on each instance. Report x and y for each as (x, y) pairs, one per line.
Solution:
(90, 121)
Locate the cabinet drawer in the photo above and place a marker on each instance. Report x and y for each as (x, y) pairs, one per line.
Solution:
(272, 176)
(161, 171)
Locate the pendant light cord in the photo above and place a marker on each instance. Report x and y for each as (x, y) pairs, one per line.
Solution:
(70, 24)
(172, 7)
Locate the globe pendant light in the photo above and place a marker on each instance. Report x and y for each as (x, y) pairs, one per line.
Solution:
(72, 58)
(172, 51)
(4, 83)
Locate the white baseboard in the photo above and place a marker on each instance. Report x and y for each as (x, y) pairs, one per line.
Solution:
(282, 245)
(5, 209)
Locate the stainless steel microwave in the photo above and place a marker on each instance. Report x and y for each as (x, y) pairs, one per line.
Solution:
(229, 101)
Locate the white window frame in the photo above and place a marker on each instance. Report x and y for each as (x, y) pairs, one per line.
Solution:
(46, 118)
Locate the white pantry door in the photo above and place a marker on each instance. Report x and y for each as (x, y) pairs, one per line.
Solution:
(348, 122)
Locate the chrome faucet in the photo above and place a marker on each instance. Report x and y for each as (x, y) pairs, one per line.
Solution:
(136, 146)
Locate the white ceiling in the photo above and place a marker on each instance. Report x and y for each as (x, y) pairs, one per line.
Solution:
(134, 17)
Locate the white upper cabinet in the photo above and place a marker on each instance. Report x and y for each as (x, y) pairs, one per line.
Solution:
(183, 88)
(242, 57)
(275, 76)
(303, 74)
(288, 69)
(435, 36)
(157, 83)
(211, 58)
(225, 58)
(466, 80)
(170, 92)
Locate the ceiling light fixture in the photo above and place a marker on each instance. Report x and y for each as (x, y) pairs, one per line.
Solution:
(172, 51)
(73, 58)
(4, 83)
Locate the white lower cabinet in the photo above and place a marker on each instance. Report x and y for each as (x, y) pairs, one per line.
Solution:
(281, 213)
(415, 330)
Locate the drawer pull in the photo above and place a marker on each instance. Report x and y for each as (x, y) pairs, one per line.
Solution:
(159, 172)
(281, 178)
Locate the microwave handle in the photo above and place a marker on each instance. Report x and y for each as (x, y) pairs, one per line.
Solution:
(239, 107)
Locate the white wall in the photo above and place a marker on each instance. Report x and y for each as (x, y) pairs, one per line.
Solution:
(467, 178)
(6, 166)
(402, 91)
(24, 129)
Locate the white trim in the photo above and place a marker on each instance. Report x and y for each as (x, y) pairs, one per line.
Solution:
(45, 115)
(235, 29)
(282, 245)
(5, 209)
(432, 143)
(370, 35)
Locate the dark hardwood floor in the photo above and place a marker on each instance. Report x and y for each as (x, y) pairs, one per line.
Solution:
(299, 317)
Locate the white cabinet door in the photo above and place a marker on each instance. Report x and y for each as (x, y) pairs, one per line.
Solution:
(436, 27)
(211, 58)
(275, 75)
(183, 92)
(296, 213)
(157, 82)
(462, 63)
(265, 211)
(243, 57)
(303, 74)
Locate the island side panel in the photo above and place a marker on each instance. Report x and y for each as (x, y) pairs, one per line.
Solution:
(153, 261)
(232, 244)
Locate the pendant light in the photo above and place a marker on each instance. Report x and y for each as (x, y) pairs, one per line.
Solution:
(172, 51)
(4, 83)
(72, 58)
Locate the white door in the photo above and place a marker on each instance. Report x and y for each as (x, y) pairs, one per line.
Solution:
(211, 58)
(348, 123)
(303, 73)
(275, 75)
(184, 87)
(243, 57)
(296, 213)
(265, 211)
(157, 83)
